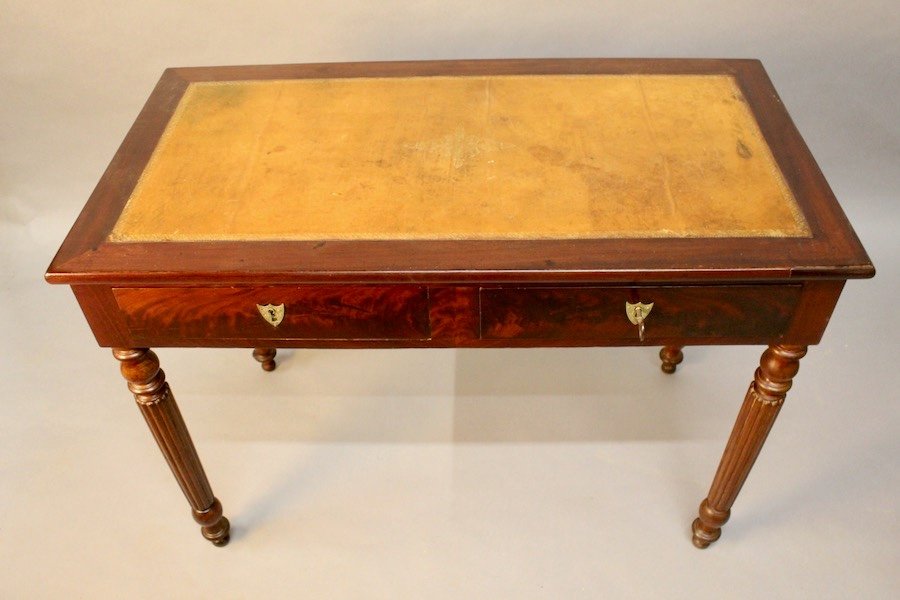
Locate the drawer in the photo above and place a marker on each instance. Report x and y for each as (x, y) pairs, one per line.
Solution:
(315, 312)
(746, 313)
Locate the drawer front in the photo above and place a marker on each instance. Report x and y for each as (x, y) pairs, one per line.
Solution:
(736, 312)
(310, 312)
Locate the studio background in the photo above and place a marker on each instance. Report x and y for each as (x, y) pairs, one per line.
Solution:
(556, 473)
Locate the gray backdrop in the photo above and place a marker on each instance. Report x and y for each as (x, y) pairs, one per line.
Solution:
(524, 474)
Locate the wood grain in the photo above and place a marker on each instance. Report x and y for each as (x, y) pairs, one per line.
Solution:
(585, 313)
(453, 312)
(451, 316)
(311, 312)
(140, 368)
(774, 377)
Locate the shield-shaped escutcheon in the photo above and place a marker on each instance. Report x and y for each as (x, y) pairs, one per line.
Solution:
(273, 314)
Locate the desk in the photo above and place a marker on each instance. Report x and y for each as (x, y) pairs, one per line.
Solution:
(508, 203)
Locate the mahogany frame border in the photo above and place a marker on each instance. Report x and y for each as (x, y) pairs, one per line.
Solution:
(832, 252)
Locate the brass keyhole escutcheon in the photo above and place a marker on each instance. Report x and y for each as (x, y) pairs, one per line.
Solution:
(271, 313)
(637, 313)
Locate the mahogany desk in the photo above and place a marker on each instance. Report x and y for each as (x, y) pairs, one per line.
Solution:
(504, 203)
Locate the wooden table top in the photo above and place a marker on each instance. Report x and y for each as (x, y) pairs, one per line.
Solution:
(501, 170)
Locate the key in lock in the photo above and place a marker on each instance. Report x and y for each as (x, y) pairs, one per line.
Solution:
(637, 313)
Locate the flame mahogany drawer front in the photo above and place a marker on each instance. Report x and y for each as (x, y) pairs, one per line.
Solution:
(310, 312)
(752, 312)
(515, 316)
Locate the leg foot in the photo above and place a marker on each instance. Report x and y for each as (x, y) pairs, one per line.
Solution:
(671, 357)
(266, 358)
(147, 382)
(708, 528)
(214, 526)
(777, 368)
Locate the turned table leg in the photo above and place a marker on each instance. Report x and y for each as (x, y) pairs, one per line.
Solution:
(671, 357)
(266, 358)
(777, 368)
(146, 380)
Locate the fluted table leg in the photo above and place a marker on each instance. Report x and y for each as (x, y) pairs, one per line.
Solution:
(147, 382)
(777, 368)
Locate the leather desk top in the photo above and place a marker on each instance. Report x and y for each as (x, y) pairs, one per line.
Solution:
(471, 157)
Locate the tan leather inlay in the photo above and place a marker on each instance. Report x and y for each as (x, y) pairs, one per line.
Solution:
(500, 157)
